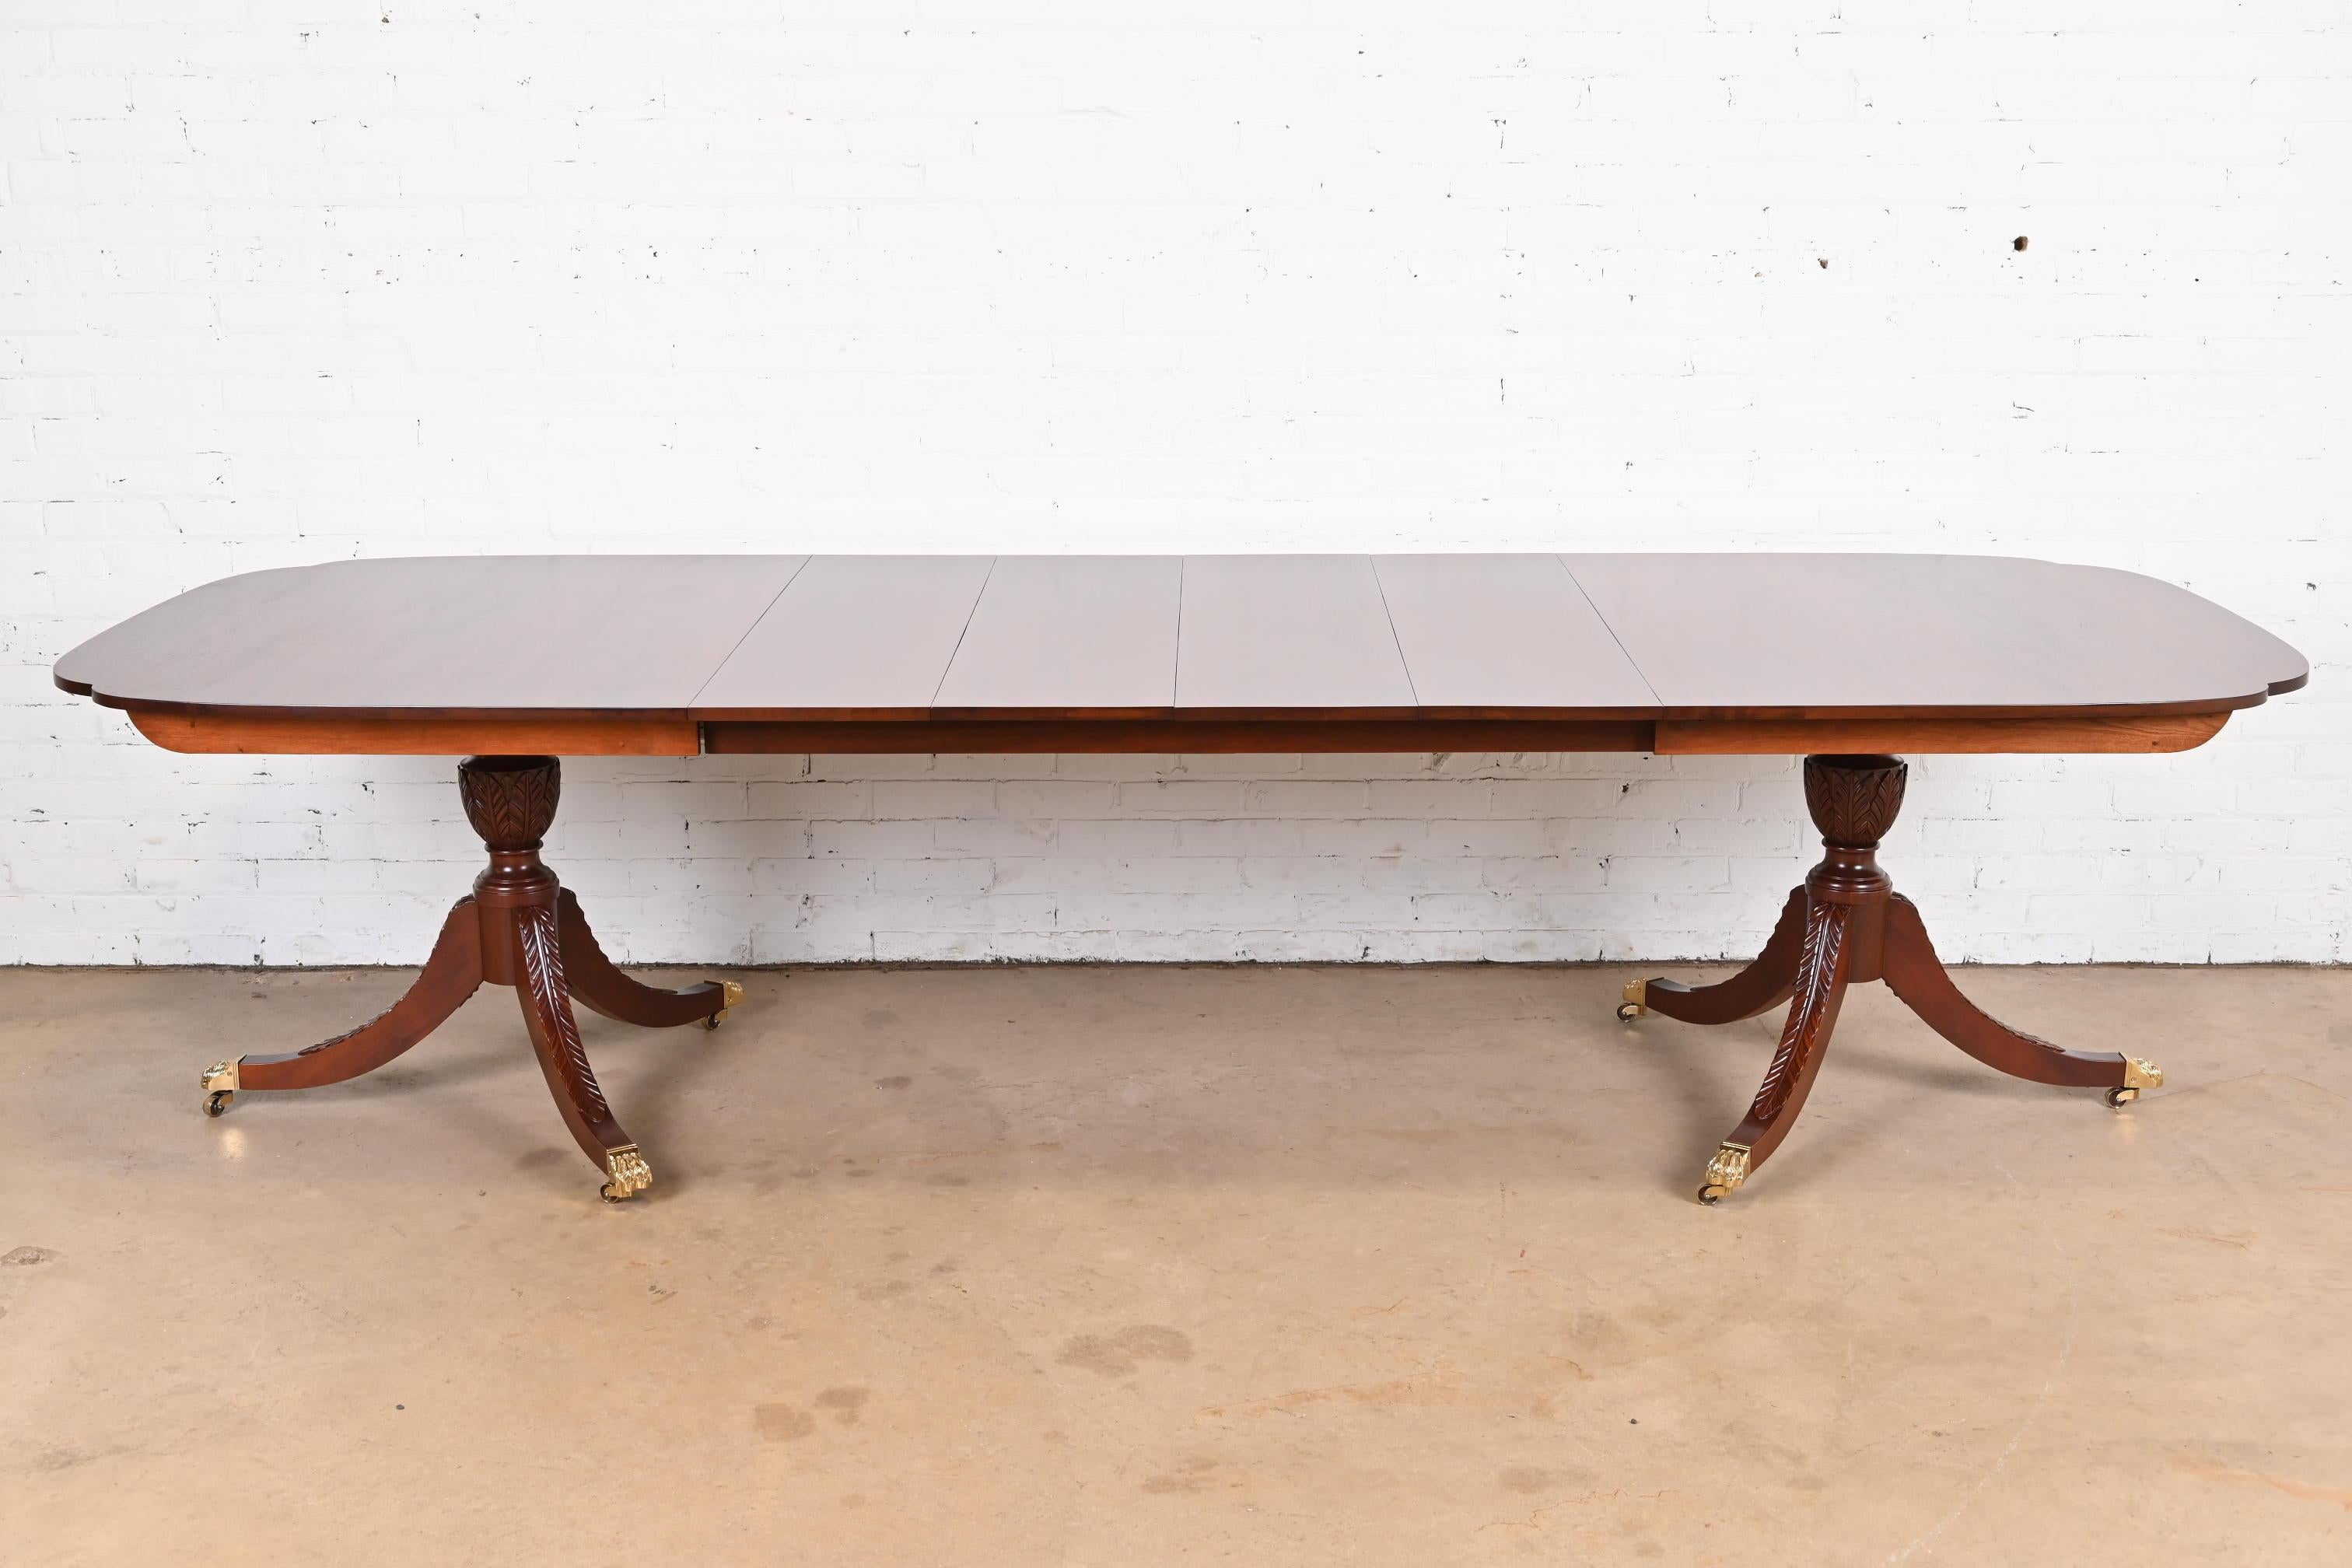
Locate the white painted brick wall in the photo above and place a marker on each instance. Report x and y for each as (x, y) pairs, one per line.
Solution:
(285, 280)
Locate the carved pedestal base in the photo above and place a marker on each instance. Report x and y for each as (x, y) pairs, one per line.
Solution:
(520, 927)
(1846, 924)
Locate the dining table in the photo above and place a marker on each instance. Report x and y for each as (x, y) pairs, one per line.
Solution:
(1849, 661)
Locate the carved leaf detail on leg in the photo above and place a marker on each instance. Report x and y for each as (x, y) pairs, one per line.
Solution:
(1819, 975)
(539, 948)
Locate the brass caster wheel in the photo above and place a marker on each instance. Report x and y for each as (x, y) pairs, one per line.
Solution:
(220, 1088)
(1637, 996)
(1627, 1012)
(626, 1174)
(1725, 1172)
(2139, 1073)
(733, 997)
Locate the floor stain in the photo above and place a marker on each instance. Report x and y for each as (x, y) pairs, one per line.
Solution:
(1401, 1392)
(25, 1256)
(1115, 1355)
(782, 1423)
(884, 1291)
(1197, 1474)
(1526, 1480)
(2240, 1243)
(896, 1080)
(2215, 1470)
(844, 1403)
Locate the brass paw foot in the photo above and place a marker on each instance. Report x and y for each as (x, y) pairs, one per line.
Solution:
(732, 998)
(628, 1173)
(2139, 1073)
(1724, 1173)
(1636, 1002)
(220, 1086)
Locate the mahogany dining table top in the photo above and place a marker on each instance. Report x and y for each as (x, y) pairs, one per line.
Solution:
(671, 655)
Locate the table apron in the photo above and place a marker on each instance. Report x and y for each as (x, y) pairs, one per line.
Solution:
(359, 735)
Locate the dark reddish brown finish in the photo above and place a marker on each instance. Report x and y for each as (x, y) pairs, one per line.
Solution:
(446, 637)
(1914, 974)
(1485, 633)
(1061, 633)
(371, 650)
(1673, 654)
(1980, 636)
(452, 974)
(1758, 988)
(1264, 633)
(596, 980)
(1824, 965)
(999, 737)
(871, 635)
(521, 928)
(1844, 926)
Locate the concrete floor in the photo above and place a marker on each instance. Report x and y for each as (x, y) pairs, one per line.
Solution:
(1118, 1267)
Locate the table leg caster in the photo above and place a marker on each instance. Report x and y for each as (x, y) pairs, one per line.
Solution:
(2139, 1073)
(220, 1088)
(1724, 1173)
(627, 1174)
(1636, 1002)
(733, 998)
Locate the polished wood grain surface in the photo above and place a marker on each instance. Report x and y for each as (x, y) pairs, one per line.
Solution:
(1263, 632)
(1070, 634)
(1749, 634)
(870, 633)
(1679, 653)
(1481, 633)
(447, 636)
